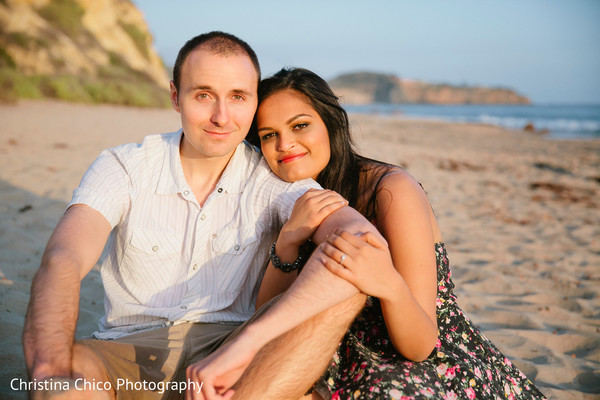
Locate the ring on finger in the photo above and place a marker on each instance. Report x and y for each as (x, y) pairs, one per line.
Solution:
(343, 258)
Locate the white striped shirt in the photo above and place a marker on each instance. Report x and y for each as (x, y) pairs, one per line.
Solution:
(169, 260)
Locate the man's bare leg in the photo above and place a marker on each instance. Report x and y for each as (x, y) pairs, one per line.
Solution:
(316, 290)
(288, 366)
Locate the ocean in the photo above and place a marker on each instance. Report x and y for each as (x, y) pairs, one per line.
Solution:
(562, 121)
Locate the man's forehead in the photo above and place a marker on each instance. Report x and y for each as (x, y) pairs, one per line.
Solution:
(208, 68)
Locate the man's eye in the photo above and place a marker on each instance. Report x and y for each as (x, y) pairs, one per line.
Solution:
(202, 96)
(238, 97)
(301, 126)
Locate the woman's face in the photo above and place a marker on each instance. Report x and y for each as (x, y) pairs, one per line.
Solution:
(293, 137)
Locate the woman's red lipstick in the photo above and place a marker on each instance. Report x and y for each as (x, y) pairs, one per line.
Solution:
(291, 157)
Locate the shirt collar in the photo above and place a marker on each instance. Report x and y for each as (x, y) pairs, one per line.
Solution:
(235, 175)
(172, 180)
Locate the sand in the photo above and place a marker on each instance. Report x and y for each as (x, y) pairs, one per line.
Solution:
(520, 215)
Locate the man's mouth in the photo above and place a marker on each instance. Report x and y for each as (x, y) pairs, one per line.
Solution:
(218, 133)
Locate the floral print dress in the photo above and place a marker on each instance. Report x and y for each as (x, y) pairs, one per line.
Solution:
(463, 365)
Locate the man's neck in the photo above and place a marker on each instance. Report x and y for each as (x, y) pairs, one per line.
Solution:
(203, 173)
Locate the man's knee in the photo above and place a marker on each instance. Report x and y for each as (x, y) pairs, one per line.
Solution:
(86, 364)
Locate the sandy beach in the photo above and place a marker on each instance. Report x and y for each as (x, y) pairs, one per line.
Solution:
(520, 215)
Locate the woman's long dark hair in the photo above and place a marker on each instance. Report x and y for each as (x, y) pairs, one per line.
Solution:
(343, 172)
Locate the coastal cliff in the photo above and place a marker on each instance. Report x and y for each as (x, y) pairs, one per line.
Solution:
(369, 87)
(79, 50)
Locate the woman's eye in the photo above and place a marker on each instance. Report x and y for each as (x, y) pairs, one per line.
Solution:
(301, 126)
(268, 136)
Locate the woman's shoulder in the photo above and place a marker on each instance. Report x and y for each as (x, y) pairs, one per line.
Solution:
(397, 189)
(397, 179)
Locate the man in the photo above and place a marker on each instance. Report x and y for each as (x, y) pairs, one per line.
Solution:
(191, 214)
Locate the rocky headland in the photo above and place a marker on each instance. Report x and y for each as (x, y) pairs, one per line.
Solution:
(371, 87)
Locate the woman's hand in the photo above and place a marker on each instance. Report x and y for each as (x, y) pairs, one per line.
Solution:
(308, 213)
(365, 261)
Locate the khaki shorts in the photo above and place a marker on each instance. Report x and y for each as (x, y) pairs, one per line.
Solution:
(151, 364)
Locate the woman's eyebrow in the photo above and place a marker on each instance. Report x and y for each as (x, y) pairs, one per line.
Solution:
(289, 121)
(296, 116)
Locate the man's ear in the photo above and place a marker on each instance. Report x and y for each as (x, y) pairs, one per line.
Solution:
(174, 97)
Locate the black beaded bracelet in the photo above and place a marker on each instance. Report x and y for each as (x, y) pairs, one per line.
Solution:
(285, 267)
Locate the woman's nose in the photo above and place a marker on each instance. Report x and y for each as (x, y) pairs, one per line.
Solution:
(286, 142)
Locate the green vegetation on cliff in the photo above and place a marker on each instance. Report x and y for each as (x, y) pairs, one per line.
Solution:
(65, 15)
(61, 57)
(112, 90)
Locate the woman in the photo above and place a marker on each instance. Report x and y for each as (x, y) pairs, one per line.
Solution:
(411, 339)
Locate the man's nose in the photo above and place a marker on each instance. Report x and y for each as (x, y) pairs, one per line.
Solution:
(220, 115)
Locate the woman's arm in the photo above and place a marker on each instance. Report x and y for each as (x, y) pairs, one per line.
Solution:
(308, 213)
(404, 277)
(274, 283)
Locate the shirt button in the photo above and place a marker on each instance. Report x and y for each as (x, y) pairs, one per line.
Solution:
(183, 307)
(203, 217)
(186, 192)
(236, 247)
(195, 267)
(220, 190)
(155, 248)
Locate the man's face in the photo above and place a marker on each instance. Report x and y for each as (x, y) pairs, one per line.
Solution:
(217, 99)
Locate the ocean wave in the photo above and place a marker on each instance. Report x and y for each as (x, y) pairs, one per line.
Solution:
(553, 125)
(568, 121)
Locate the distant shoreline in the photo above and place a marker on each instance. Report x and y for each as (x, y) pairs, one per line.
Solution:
(557, 122)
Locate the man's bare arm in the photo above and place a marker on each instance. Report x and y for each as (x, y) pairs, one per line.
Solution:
(72, 251)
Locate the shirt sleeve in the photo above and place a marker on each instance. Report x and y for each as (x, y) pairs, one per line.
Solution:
(105, 187)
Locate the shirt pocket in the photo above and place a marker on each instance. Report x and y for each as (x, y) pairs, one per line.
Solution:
(150, 262)
(234, 250)
(232, 241)
(155, 242)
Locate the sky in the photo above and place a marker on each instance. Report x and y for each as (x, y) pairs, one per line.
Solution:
(547, 50)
